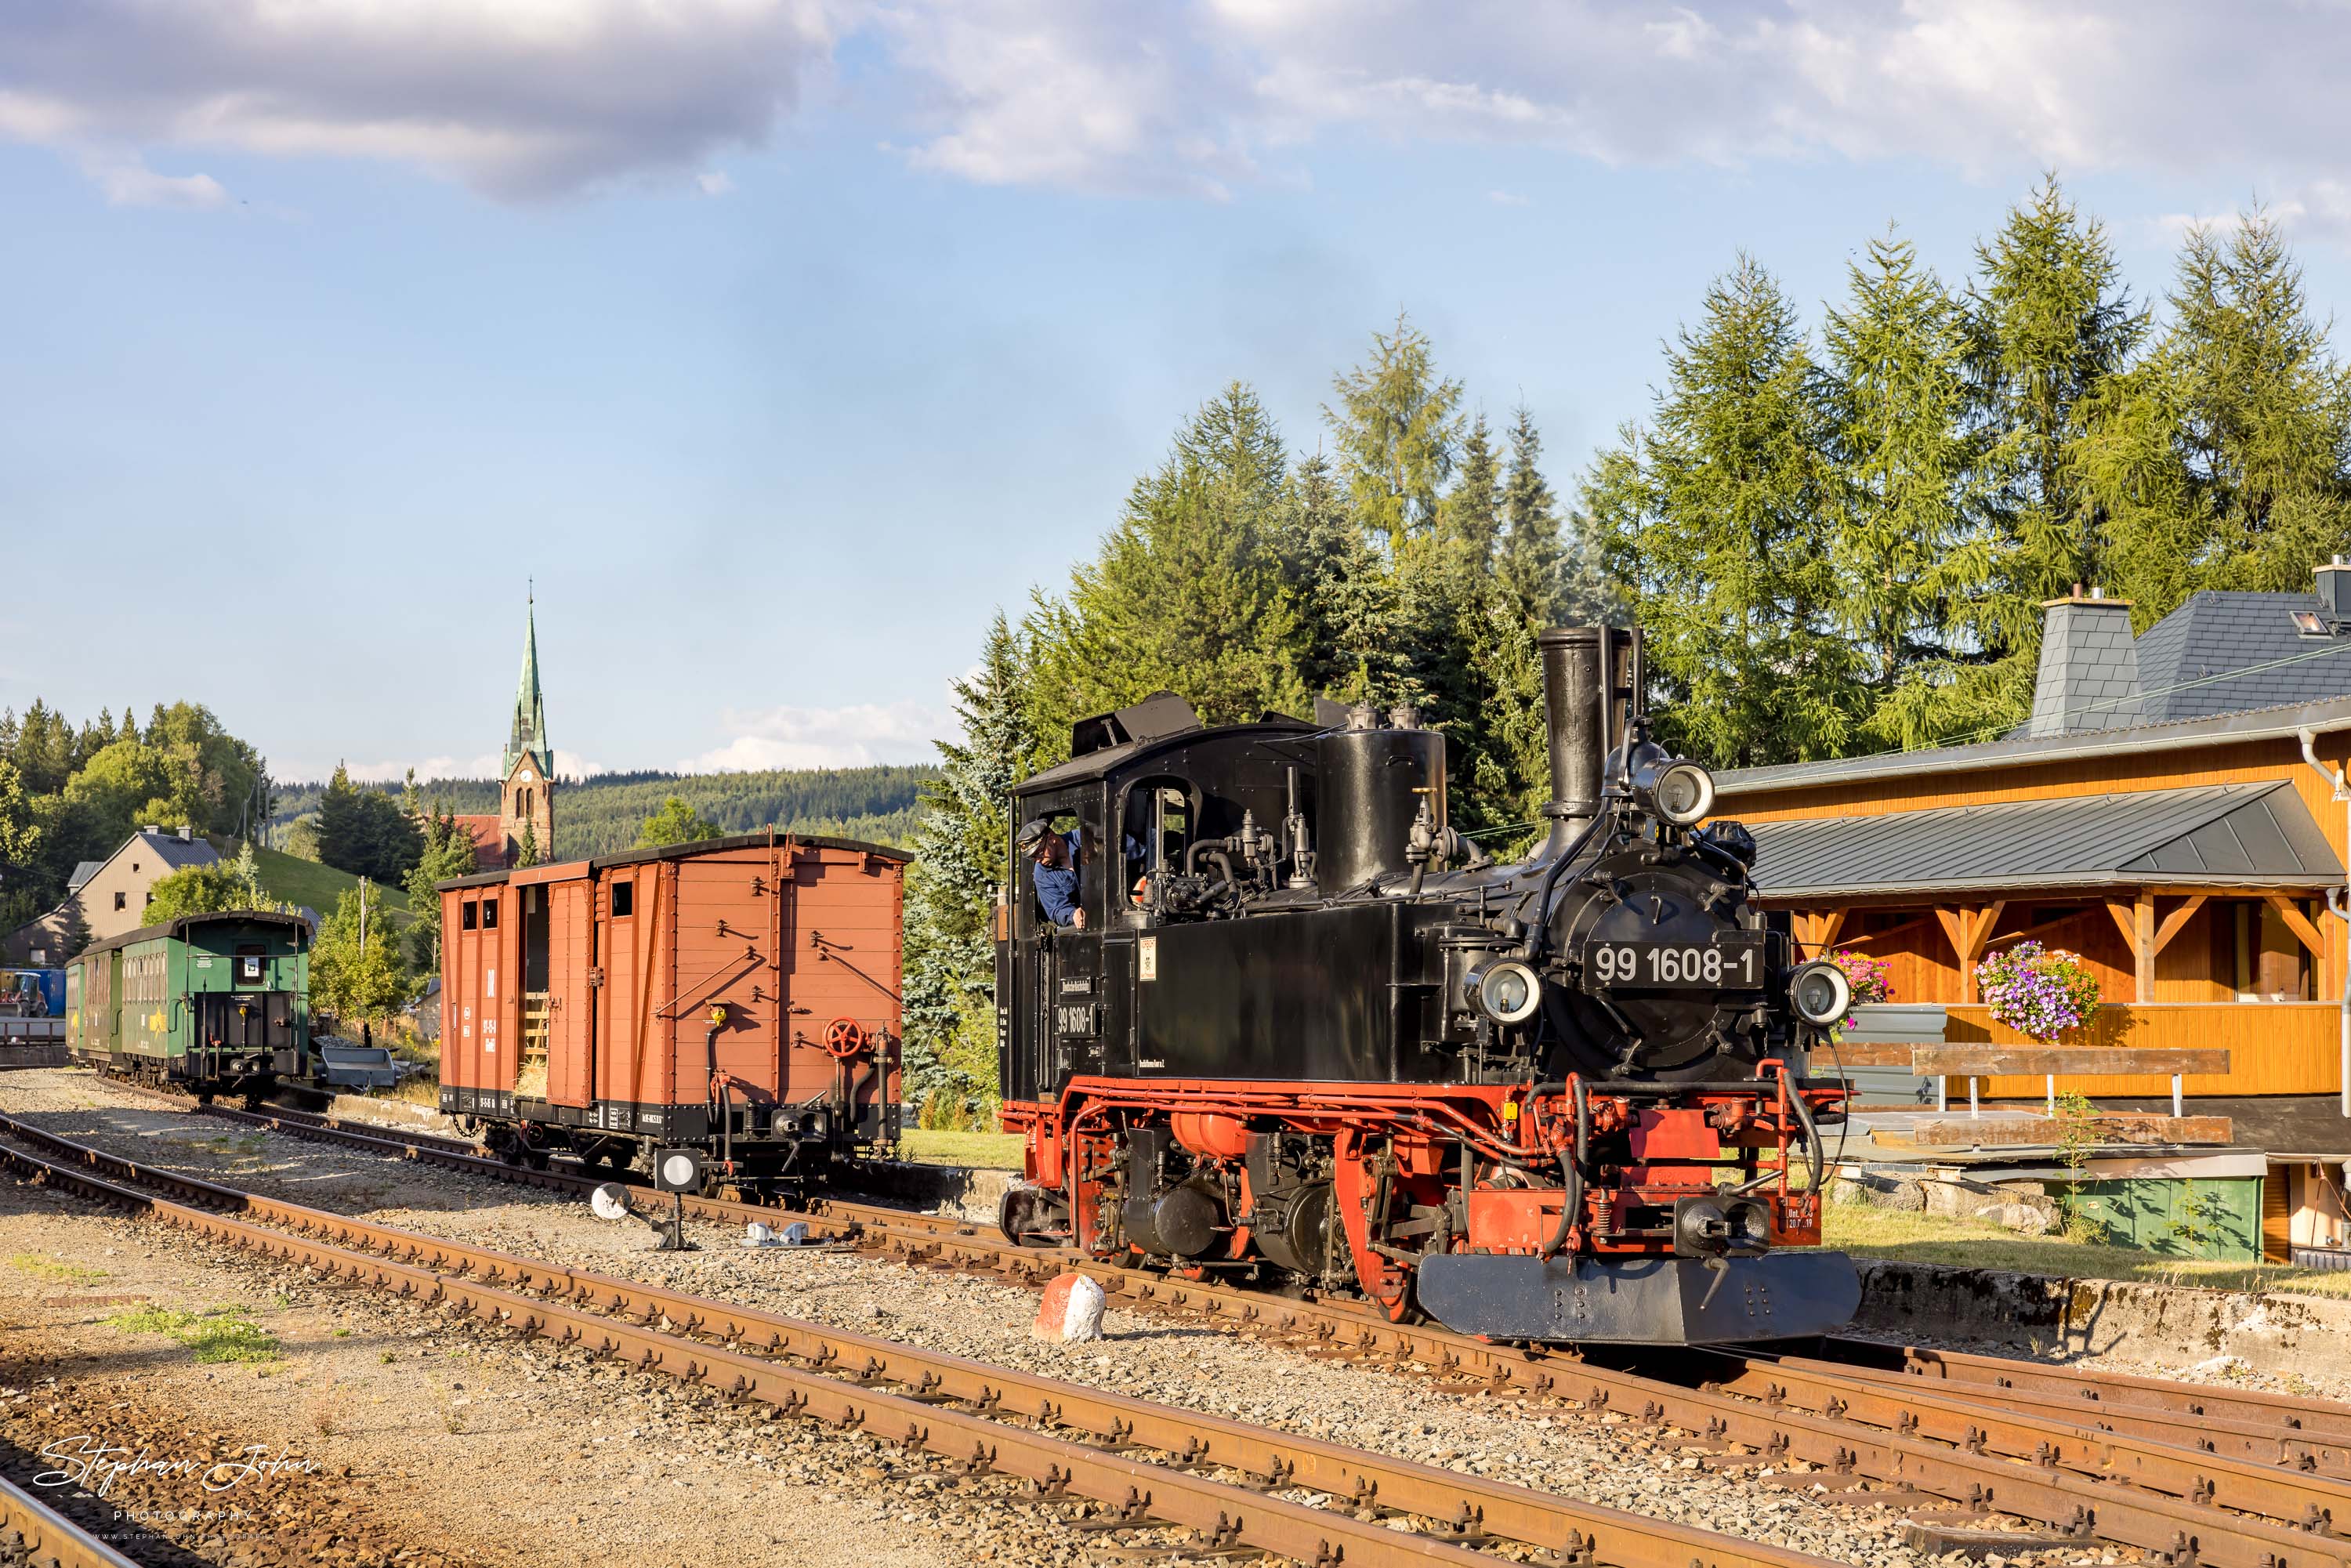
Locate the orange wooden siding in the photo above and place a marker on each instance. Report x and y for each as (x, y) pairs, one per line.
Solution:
(2180, 969)
(2274, 1048)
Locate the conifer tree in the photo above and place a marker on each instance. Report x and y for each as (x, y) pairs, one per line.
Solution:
(962, 852)
(1908, 512)
(2221, 460)
(1471, 512)
(1532, 560)
(1188, 593)
(1397, 428)
(1718, 517)
(1345, 593)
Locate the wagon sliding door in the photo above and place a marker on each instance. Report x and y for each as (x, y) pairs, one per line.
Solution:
(570, 997)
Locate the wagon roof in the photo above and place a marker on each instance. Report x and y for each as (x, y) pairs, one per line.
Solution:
(688, 850)
(180, 927)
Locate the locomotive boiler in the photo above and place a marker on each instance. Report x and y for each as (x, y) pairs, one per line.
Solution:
(1308, 1034)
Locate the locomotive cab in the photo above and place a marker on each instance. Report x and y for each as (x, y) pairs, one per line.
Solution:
(1307, 1033)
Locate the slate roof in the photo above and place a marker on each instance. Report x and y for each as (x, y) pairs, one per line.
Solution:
(82, 871)
(173, 851)
(2089, 673)
(2214, 634)
(2245, 835)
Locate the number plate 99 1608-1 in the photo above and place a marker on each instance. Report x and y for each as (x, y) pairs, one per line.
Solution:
(1731, 961)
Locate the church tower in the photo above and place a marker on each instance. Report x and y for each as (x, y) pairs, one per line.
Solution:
(527, 803)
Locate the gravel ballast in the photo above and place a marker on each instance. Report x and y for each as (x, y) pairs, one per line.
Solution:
(1606, 1459)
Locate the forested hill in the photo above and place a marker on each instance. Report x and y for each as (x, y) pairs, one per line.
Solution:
(601, 815)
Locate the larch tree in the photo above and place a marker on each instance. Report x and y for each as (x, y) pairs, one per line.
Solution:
(2050, 325)
(2221, 460)
(1719, 517)
(1397, 429)
(1908, 519)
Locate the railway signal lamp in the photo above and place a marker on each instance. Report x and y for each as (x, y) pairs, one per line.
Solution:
(610, 1201)
(1821, 993)
(677, 1170)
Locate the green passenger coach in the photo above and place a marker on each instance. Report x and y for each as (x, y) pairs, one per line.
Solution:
(216, 1003)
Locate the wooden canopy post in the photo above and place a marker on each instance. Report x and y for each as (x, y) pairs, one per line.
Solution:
(2145, 938)
(1967, 929)
(1816, 930)
(2304, 932)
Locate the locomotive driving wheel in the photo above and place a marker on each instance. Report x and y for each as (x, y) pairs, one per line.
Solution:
(843, 1038)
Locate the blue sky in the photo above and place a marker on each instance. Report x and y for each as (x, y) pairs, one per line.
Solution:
(782, 341)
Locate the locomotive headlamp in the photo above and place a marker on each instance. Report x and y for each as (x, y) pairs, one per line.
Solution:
(1508, 992)
(1674, 791)
(1821, 993)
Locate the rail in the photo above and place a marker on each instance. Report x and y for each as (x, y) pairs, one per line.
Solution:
(964, 1411)
(2146, 1472)
(31, 1531)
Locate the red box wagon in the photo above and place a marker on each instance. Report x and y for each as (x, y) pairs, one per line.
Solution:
(738, 995)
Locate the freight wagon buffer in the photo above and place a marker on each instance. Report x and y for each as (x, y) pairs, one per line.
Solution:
(739, 996)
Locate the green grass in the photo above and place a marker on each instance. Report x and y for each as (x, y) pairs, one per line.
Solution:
(990, 1151)
(216, 1334)
(49, 1268)
(1867, 1231)
(292, 880)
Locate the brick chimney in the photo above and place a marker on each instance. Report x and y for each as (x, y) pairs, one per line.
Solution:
(2089, 667)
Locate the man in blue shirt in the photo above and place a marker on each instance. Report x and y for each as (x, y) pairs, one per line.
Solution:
(1054, 872)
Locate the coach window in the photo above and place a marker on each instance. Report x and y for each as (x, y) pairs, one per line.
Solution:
(466, 917)
(490, 912)
(625, 899)
(248, 970)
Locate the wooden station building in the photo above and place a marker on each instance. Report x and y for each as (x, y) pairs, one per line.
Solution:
(2157, 816)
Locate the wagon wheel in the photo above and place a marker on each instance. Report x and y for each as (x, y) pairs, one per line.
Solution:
(843, 1038)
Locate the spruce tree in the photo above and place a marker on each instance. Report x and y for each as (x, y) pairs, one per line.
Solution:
(1188, 593)
(1532, 560)
(1719, 518)
(1345, 594)
(1908, 517)
(962, 852)
(1471, 512)
(1397, 428)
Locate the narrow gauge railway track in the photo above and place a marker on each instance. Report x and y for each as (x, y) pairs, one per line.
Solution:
(984, 1418)
(35, 1533)
(2156, 1466)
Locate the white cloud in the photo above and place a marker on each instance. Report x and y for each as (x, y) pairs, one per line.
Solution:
(128, 182)
(526, 99)
(484, 765)
(714, 183)
(849, 737)
(519, 98)
(1508, 199)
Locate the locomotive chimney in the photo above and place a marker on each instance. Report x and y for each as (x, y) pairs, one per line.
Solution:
(1590, 673)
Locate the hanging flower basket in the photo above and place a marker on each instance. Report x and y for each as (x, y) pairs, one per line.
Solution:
(2040, 992)
(1868, 977)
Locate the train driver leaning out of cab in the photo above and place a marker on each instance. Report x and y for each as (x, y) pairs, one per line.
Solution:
(1054, 872)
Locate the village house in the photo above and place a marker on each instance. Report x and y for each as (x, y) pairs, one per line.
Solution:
(106, 898)
(2172, 812)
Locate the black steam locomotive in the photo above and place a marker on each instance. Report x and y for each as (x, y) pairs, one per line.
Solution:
(1307, 1034)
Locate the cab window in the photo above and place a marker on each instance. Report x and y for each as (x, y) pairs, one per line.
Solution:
(1156, 826)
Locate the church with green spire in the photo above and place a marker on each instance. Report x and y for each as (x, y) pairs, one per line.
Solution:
(527, 803)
